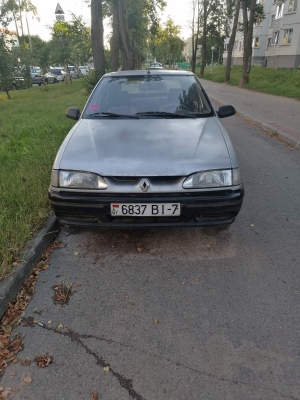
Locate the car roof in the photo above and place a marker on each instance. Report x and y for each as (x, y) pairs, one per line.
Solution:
(145, 72)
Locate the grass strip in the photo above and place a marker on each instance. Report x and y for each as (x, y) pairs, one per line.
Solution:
(32, 127)
(281, 82)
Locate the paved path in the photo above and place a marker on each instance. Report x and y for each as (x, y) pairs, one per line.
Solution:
(176, 314)
(278, 114)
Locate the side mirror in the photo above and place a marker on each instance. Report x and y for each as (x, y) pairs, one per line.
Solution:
(226, 111)
(73, 113)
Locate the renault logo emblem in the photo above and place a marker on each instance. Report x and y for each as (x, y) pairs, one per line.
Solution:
(144, 184)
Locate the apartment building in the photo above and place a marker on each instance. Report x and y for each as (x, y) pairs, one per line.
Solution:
(10, 37)
(276, 39)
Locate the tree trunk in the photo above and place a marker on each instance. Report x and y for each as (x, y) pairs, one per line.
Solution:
(21, 21)
(204, 34)
(17, 29)
(232, 40)
(7, 94)
(193, 38)
(97, 36)
(115, 40)
(248, 37)
(125, 38)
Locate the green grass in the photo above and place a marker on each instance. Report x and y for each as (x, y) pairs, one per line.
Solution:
(32, 127)
(281, 82)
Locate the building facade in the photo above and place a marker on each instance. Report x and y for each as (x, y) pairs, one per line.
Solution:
(10, 37)
(276, 39)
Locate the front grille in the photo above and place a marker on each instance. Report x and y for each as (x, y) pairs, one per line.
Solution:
(135, 196)
(163, 180)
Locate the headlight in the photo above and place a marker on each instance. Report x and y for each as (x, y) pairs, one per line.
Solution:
(210, 179)
(80, 180)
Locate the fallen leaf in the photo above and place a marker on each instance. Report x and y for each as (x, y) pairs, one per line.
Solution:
(35, 310)
(197, 280)
(49, 322)
(183, 283)
(106, 369)
(156, 321)
(252, 225)
(13, 373)
(139, 249)
(43, 360)
(45, 267)
(132, 303)
(76, 253)
(6, 393)
(95, 396)
(1, 388)
(126, 297)
(78, 284)
(27, 379)
(208, 246)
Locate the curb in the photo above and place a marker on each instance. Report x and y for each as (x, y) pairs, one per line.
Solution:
(10, 287)
(271, 129)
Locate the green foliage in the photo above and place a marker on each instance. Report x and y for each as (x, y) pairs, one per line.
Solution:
(71, 43)
(267, 80)
(165, 44)
(32, 127)
(90, 81)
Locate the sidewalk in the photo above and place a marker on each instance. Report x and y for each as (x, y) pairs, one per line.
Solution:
(280, 115)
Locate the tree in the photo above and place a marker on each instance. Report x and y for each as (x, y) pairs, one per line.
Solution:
(232, 40)
(97, 36)
(212, 25)
(70, 43)
(6, 68)
(251, 13)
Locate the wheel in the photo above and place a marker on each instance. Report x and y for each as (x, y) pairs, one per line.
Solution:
(55, 80)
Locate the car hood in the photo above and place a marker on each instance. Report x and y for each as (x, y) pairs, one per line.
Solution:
(144, 147)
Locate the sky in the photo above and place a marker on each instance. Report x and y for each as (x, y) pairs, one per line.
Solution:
(179, 10)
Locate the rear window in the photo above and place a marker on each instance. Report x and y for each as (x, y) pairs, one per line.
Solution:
(55, 70)
(149, 93)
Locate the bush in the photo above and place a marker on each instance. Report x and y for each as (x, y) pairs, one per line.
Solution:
(91, 80)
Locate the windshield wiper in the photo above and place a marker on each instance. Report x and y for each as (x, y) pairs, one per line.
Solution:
(112, 115)
(165, 114)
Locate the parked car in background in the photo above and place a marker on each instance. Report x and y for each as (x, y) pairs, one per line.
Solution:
(155, 65)
(36, 76)
(49, 77)
(73, 72)
(149, 149)
(84, 70)
(59, 72)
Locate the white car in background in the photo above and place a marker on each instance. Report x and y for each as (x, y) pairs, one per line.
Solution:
(60, 73)
(84, 70)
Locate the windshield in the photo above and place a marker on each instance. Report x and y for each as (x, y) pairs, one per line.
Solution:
(149, 96)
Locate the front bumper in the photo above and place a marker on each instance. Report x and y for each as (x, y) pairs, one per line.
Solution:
(197, 208)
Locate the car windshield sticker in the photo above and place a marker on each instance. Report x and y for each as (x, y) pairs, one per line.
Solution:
(94, 107)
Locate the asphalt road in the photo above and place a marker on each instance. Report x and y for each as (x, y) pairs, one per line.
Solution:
(178, 314)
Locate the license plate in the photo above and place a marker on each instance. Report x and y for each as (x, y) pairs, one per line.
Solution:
(145, 210)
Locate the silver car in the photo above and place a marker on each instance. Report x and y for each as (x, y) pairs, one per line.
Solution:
(148, 150)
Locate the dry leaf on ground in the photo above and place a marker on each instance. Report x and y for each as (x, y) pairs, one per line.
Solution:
(43, 360)
(156, 321)
(27, 379)
(95, 396)
(106, 369)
